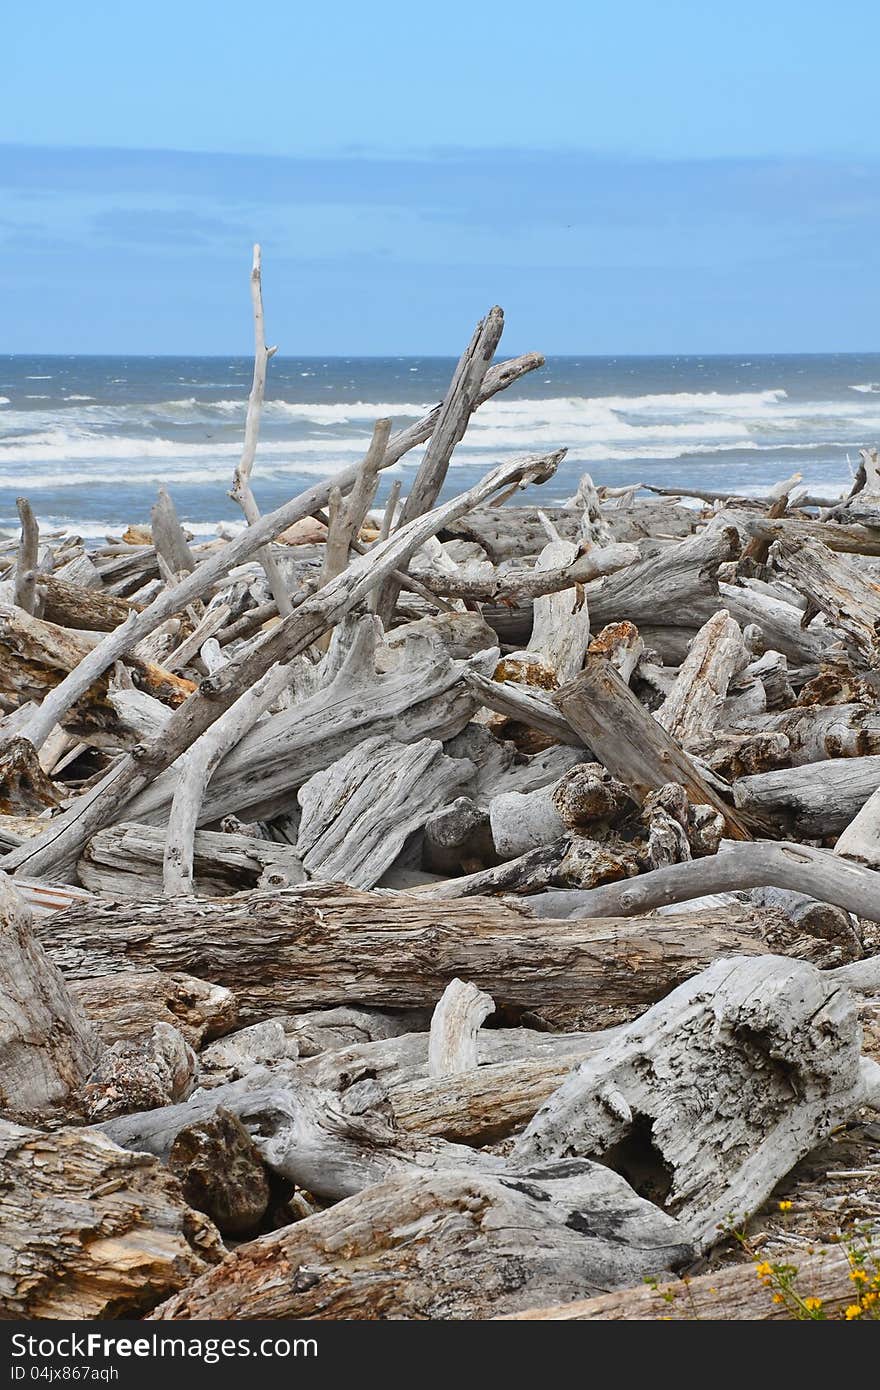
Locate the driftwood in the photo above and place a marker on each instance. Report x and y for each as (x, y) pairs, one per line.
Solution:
(126, 861)
(26, 564)
(732, 1294)
(635, 748)
(293, 948)
(775, 1046)
(763, 863)
(91, 1231)
(124, 1004)
(815, 799)
(47, 1047)
(450, 1246)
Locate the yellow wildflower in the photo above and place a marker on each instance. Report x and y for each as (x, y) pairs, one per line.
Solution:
(764, 1270)
(785, 1206)
(853, 1311)
(858, 1276)
(812, 1304)
(777, 1298)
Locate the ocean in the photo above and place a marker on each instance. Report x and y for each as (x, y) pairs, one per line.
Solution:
(89, 439)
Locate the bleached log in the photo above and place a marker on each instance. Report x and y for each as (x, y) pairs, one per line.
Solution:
(773, 1043)
(861, 838)
(761, 863)
(692, 708)
(851, 539)
(62, 846)
(525, 873)
(197, 768)
(458, 406)
(816, 732)
(347, 515)
(358, 813)
(79, 606)
(293, 948)
(516, 584)
(125, 860)
(524, 821)
(168, 538)
(91, 1231)
(525, 705)
(206, 574)
(560, 626)
(780, 622)
(460, 1013)
(47, 1046)
(731, 1294)
(453, 1245)
(837, 588)
(602, 709)
(26, 562)
(815, 800)
(124, 1004)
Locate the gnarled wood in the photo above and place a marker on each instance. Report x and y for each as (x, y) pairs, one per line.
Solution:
(91, 1231)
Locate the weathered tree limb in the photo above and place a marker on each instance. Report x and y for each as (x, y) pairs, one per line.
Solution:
(197, 768)
(460, 1013)
(91, 1231)
(125, 1004)
(458, 406)
(123, 638)
(515, 585)
(815, 800)
(602, 709)
(774, 1044)
(524, 705)
(78, 606)
(47, 1047)
(241, 491)
(26, 562)
(452, 1245)
(762, 863)
(293, 949)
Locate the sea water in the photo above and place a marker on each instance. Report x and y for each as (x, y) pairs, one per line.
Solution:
(89, 439)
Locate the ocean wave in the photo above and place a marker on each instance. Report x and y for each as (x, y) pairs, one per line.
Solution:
(867, 387)
(4, 400)
(79, 398)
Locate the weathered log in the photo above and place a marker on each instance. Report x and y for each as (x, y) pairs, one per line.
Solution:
(816, 732)
(458, 406)
(693, 706)
(506, 533)
(155, 1069)
(516, 584)
(560, 626)
(25, 593)
(711, 1097)
(296, 949)
(454, 1245)
(861, 838)
(167, 535)
(732, 1294)
(358, 813)
(126, 861)
(241, 491)
(837, 588)
(761, 863)
(602, 709)
(91, 1231)
(47, 1046)
(127, 1003)
(815, 800)
(78, 606)
(24, 787)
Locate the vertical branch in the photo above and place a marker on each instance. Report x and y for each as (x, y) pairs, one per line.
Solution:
(241, 483)
(26, 567)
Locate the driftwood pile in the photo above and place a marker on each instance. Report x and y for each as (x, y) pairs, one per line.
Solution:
(456, 911)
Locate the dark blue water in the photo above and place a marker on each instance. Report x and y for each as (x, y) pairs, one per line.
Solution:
(90, 438)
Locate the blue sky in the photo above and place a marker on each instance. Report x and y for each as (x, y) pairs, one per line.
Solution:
(647, 177)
